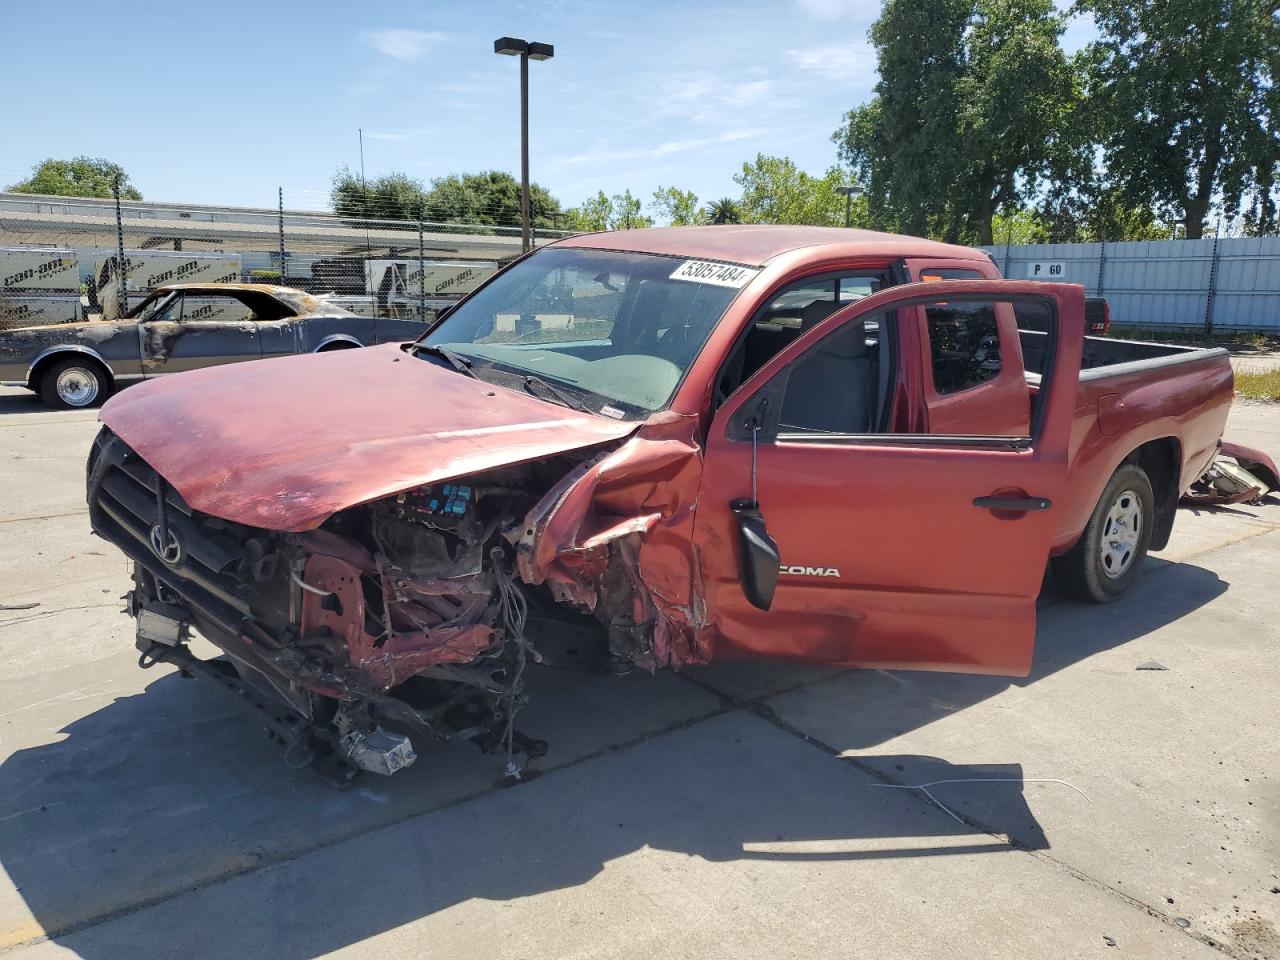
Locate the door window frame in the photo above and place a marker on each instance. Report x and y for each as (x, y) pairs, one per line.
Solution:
(740, 430)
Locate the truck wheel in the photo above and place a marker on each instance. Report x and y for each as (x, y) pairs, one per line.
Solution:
(1105, 561)
(73, 383)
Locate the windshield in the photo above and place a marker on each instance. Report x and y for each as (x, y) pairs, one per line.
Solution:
(618, 329)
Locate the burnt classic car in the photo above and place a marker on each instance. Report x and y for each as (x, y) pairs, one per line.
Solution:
(183, 327)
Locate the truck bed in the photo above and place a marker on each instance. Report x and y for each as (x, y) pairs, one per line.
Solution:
(1103, 352)
(1133, 393)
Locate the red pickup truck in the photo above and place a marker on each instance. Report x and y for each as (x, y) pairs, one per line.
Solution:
(668, 446)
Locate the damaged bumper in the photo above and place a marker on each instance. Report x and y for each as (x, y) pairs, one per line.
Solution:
(1237, 474)
(318, 630)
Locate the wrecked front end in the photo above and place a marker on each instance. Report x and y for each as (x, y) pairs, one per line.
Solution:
(413, 617)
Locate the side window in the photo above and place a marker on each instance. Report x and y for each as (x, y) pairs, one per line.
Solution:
(170, 310)
(791, 311)
(207, 307)
(964, 345)
(837, 387)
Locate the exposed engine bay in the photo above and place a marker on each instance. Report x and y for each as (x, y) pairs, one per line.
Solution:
(407, 617)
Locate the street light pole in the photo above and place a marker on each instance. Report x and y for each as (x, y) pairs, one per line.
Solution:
(526, 51)
(526, 240)
(849, 193)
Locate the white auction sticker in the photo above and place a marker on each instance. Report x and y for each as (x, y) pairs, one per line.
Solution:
(717, 274)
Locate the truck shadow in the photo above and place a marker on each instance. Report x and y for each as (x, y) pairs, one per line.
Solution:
(883, 705)
(172, 789)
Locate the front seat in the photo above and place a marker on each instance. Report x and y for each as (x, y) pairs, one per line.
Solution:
(830, 391)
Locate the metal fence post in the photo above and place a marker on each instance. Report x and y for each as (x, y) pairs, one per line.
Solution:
(422, 272)
(1102, 263)
(122, 269)
(281, 194)
(1213, 284)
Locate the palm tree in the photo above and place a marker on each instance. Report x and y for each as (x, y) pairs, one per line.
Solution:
(724, 211)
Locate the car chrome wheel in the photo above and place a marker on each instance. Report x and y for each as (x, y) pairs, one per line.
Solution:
(1121, 533)
(77, 387)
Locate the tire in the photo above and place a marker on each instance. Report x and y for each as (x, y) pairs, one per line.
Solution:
(74, 384)
(1108, 557)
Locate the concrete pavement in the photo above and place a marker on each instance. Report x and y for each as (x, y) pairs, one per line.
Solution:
(740, 810)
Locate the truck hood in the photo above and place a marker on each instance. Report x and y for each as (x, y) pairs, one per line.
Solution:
(283, 444)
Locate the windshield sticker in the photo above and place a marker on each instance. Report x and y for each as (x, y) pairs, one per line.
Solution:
(716, 274)
(614, 412)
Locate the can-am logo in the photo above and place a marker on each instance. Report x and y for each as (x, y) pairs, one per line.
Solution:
(799, 571)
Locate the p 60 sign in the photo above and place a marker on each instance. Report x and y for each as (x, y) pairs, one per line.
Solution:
(1046, 270)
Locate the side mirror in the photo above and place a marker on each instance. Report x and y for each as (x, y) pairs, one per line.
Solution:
(758, 556)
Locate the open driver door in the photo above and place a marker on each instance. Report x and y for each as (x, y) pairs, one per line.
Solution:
(834, 526)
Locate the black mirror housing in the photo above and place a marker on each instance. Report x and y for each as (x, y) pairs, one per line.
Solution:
(758, 556)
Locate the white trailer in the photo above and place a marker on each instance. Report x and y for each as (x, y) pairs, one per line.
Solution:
(48, 269)
(17, 310)
(147, 269)
(399, 278)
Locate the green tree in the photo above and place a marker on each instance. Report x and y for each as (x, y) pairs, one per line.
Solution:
(627, 212)
(724, 210)
(775, 190)
(1099, 210)
(490, 198)
(81, 177)
(678, 207)
(591, 216)
(902, 144)
(1019, 226)
(395, 196)
(622, 211)
(974, 109)
(1192, 111)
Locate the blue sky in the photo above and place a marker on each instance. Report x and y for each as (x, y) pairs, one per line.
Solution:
(223, 102)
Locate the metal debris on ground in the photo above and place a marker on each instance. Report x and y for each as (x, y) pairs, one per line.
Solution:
(1182, 922)
(1151, 665)
(1109, 941)
(18, 606)
(1236, 475)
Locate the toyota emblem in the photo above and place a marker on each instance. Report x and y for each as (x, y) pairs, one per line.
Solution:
(165, 545)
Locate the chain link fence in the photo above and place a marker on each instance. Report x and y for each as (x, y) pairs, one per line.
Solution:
(60, 257)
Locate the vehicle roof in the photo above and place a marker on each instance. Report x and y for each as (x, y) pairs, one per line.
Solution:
(304, 302)
(757, 244)
(271, 288)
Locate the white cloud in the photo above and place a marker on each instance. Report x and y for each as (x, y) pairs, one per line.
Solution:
(852, 63)
(599, 155)
(399, 44)
(696, 143)
(841, 9)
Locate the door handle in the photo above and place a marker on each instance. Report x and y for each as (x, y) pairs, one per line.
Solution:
(1013, 503)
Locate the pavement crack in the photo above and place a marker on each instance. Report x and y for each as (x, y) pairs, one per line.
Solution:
(42, 614)
(46, 516)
